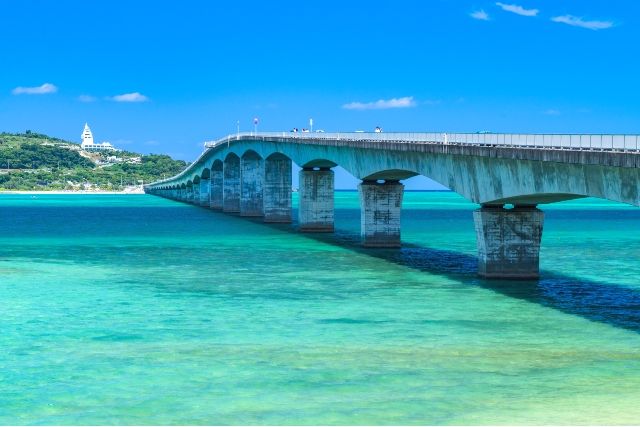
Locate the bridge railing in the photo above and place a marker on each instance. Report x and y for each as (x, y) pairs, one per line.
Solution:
(597, 142)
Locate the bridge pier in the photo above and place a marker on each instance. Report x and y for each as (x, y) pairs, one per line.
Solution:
(252, 183)
(195, 199)
(215, 200)
(315, 195)
(231, 184)
(509, 241)
(190, 194)
(277, 188)
(205, 188)
(380, 206)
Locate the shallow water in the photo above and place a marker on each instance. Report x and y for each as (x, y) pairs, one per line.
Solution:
(139, 310)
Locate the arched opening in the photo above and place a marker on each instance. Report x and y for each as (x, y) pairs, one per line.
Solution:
(251, 155)
(534, 199)
(319, 163)
(217, 165)
(390, 175)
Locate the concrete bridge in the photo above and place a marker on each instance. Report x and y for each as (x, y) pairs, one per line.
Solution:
(508, 175)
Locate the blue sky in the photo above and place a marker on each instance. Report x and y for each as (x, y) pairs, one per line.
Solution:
(164, 77)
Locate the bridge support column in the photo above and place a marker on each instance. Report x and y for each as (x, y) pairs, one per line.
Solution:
(380, 206)
(252, 183)
(195, 199)
(204, 192)
(508, 241)
(231, 185)
(190, 194)
(277, 188)
(215, 200)
(315, 212)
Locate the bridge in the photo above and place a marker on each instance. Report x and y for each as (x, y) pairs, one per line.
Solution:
(508, 175)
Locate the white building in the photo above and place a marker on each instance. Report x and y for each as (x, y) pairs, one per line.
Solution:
(88, 144)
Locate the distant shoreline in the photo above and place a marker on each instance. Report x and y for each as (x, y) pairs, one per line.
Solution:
(58, 192)
(142, 192)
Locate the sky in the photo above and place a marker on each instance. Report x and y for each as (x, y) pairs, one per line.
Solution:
(163, 77)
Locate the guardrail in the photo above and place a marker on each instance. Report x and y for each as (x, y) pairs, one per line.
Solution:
(600, 142)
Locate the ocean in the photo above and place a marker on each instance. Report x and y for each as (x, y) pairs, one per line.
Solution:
(132, 309)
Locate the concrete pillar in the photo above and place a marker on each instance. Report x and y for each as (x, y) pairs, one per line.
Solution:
(252, 183)
(204, 191)
(380, 206)
(315, 193)
(195, 199)
(508, 241)
(277, 188)
(190, 194)
(215, 200)
(231, 184)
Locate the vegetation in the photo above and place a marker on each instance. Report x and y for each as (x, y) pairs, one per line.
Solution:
(32, 161)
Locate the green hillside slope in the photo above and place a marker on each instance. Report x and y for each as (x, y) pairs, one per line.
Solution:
(32, 161)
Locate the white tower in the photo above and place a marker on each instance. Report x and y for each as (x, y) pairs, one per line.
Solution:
(87, 136)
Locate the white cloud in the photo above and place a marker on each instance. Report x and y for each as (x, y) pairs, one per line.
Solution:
(86, 98)
(552, 112)
(576, 21)
(382, 104)
(130, 97)
(519, 10)
(37, 90)
(479, 14)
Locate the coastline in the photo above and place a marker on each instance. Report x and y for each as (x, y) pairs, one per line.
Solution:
(59, 192)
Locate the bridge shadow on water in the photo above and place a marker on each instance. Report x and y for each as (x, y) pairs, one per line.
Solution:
(602, 302)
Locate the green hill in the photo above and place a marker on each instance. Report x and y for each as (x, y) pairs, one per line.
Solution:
(32, 161)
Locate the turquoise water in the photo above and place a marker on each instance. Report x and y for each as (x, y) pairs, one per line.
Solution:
(140, 310)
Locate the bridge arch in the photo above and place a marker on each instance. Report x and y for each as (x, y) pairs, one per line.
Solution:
(390, 175)
(251, 155)
(217, 165)
(535, 199)
(319, 163)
